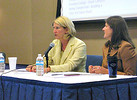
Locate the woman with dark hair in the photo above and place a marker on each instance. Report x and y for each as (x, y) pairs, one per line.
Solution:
(120, 44)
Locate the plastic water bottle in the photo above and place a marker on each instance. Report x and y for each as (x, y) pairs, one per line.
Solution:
(2, 63)
(39, 65)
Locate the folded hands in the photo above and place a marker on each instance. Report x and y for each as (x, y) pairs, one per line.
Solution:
(97, 69)
(32, 68)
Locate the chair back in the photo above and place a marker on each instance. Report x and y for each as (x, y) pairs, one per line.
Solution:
(95, 60)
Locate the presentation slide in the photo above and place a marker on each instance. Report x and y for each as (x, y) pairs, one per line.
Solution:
(79, 10)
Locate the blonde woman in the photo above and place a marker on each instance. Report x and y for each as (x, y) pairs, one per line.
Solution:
(69, 52)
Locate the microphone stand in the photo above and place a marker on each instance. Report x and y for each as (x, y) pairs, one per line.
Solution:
(46, 54)
(47, 61)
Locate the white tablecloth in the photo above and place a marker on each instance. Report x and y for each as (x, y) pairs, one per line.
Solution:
(63, 77)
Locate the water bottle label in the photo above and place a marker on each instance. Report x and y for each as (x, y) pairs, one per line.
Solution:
(1, 61)
(40, 63)
(2, 65)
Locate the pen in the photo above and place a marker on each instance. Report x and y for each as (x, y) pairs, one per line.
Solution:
(71, 74)
(56, 74)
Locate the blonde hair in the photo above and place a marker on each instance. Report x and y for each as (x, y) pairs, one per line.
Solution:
(66, 23)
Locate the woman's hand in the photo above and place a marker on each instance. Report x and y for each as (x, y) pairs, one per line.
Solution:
(94, 69)
(34, 68)
(47, 70)
(98, 70)
(31, 68)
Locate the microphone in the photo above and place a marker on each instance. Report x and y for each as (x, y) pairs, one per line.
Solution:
(50, 47)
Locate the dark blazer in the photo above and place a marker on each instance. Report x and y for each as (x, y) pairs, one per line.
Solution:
(127, 54)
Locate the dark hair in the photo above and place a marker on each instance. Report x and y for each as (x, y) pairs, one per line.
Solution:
(120, 31)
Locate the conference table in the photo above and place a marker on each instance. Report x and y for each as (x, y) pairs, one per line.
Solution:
(22, 85)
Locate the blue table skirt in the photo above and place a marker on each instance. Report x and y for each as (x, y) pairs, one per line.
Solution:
(24, 89)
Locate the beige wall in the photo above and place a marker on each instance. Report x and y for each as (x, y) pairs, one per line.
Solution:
(25, 29)
(43, 14)
(16, 29)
